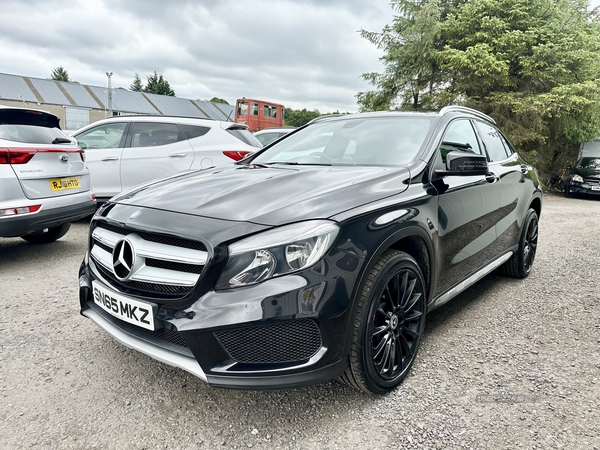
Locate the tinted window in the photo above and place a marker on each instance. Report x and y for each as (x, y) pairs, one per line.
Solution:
(155, 134)
(193, 131)
(384, 141)
(107, 135)
(492, 141)
(459, 136)
(31, 134)
(245, 136)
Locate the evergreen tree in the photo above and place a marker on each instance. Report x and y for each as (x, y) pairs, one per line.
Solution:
(136, 85)
(60, 74)
(158, 85)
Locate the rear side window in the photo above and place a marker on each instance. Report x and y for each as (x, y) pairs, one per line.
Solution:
(193, 131)
(155, 134)
(492, 140)
(245, 136)
(270, 111)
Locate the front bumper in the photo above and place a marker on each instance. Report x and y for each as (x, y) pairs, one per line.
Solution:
(285, 333)
(583, 189)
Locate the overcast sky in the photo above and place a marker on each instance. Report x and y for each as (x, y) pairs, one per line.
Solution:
(301, 53)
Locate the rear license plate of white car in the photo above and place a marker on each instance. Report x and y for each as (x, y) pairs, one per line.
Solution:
(595, 188)
(127, 309)
(61, 184)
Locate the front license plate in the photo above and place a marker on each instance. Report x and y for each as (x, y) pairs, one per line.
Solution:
(127, 309)
(62, 184)
(595, 188)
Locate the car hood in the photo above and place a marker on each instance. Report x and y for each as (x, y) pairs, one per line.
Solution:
(587, 173)
(270, 195)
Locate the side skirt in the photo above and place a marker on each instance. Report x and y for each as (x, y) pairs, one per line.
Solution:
(457, 289)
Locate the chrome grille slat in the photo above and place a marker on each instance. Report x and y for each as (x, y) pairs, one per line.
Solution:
(167, 265)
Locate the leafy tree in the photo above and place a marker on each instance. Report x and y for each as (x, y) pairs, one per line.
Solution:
(299, 117)
(137, 85)
(218, 100)
(60, 74)
(534, 65)
(158, 85)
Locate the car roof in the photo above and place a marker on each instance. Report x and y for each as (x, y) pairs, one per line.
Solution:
(274, 129)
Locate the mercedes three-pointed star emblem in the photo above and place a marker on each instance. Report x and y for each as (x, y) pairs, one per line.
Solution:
(123, 259)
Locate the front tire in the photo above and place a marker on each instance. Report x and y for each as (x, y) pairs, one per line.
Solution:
(519, 265)
(48, 235)
(388, 325)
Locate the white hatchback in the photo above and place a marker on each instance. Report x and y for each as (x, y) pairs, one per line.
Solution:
(126, 151)
(44, 181)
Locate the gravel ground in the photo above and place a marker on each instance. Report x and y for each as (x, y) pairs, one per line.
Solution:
(508, 364)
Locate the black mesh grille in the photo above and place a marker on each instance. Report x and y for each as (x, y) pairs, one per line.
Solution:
(283, 342)
(593, 181)
(147, 289)
(163, 337)
(159, 238)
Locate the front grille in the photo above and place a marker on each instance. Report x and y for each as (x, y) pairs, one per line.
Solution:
(166, 267)
(166, 338)
(592, 181)
(282, 342)
(147, 289)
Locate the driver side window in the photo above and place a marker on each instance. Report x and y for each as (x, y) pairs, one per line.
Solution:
(103, 136)
(459, 136)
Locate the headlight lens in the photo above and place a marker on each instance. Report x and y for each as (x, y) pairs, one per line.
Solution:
(577, 178)
(277, 252)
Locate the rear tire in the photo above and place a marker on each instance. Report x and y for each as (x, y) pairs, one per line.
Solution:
(48, 235)
(388, 326)
(519, 265)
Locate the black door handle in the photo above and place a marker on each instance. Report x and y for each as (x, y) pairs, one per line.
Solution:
(525, 169)
(491, 178)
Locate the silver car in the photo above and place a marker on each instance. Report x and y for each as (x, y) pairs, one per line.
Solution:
(44, 180)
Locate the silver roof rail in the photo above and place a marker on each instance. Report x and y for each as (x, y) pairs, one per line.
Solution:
(456, 108)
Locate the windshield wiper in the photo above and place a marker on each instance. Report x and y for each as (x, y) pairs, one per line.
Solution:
(60, 140)
(289, 163)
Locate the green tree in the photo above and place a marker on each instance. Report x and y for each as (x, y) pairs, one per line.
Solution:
(534, 65)
(299, 117)
(60, 74)
(136, 85)
(158, 85)
(218, 100)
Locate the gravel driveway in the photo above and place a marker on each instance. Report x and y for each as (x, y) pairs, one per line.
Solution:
(508, 364)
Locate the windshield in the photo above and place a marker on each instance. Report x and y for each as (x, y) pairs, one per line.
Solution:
(589, 163)
(382, 141)
(32, 134)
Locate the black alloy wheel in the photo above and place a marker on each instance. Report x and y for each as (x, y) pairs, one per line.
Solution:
(520, 264)
(389, 324)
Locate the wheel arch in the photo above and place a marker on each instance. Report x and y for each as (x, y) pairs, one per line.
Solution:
(413, 240)
(536, 204)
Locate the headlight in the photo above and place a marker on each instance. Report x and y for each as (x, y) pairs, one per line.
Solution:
(577, 179)
(277, 252)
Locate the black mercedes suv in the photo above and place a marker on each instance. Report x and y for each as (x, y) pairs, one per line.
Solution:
(316, 257)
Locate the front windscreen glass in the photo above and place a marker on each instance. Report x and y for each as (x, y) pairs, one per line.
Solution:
(383, 141)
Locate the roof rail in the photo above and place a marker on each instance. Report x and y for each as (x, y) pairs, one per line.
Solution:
(326, 116)
(456, 108)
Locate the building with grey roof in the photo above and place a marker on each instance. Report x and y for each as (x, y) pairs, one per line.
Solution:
(80, 104)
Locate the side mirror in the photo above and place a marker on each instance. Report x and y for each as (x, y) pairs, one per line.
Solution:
(81, 145)
(464, 164)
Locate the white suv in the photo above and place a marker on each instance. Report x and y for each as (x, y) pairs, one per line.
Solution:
(44, 181)
(125, 151)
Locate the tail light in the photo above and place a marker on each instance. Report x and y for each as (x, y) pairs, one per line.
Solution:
(19, 210)
(235, 155)
(24, 155)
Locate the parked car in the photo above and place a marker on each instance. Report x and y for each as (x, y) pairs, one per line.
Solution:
(125, 151)
(318, 256)
(44, 181)
(584, 177)
(268, 135)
